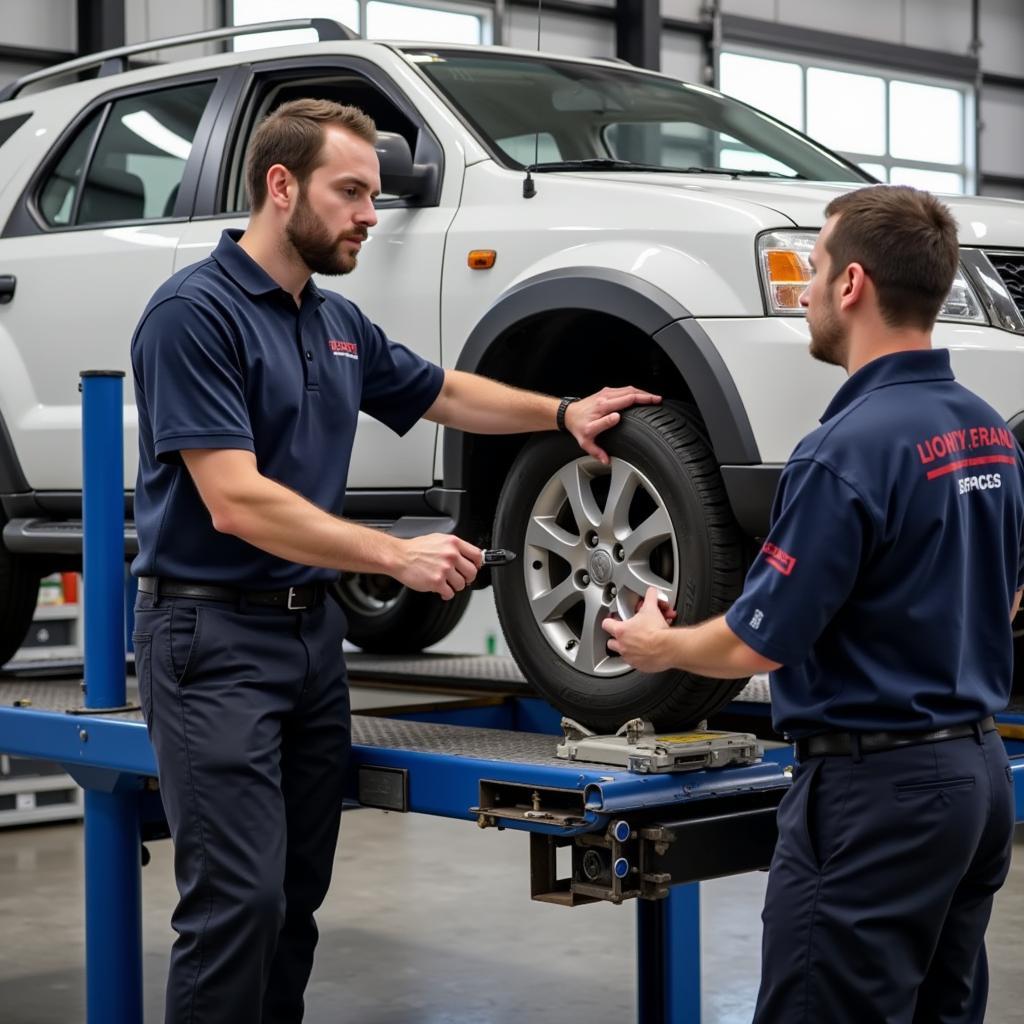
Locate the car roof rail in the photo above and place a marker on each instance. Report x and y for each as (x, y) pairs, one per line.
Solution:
(113, 62)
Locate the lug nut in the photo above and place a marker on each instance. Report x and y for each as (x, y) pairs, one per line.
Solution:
(592, 539)
(618, 553)
(585, 579)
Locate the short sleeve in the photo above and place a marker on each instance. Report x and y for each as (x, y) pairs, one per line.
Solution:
(821, 530)
(187, 370)
(398, 385)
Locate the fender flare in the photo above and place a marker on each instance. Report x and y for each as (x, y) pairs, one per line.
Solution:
(667, 322)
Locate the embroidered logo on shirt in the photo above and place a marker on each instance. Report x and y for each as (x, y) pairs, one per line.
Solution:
(756, 619)
(348, 349)
(778, 559)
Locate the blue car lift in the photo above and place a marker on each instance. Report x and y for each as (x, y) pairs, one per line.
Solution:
(647, 836)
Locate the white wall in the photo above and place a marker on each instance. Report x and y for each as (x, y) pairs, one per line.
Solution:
(560, 33)
(157, 19)
(44, 24)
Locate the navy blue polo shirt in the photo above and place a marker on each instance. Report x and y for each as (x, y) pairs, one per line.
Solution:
(224, 358)
(885, 585)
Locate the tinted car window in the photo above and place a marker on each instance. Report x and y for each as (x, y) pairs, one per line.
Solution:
(141, 155)
(60, 191)
(10, 125)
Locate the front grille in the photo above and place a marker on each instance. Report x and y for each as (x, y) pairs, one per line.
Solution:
(1010, 268)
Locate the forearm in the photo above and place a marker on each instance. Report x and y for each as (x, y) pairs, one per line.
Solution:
(483, 406)
(712, 649)
(275, 519)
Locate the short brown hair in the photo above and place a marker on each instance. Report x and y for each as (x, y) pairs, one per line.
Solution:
(906, 241)
(293, 135)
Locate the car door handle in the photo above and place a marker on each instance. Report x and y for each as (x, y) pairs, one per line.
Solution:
(7, 283)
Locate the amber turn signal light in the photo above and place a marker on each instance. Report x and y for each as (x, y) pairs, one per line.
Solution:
(481, 259)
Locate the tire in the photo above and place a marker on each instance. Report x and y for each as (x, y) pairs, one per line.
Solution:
(19, 590)
(660, 517)
(386, 618)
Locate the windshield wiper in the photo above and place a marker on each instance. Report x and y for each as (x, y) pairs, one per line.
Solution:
(736, 174)
(596, 164)
(609, 164)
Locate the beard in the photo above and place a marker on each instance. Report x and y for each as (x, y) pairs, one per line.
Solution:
(828, 337)
(314, 244)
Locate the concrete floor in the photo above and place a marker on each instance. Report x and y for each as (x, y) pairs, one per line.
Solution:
(428, 922)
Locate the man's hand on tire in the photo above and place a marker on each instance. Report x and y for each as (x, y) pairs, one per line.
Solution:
(439, 563)
(638, 640)
(590, 416)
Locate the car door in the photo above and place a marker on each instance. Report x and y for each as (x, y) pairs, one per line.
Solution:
(398, 281)
(91, 238)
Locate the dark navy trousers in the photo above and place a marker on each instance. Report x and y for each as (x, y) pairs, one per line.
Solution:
(248, 711)
(881, 886)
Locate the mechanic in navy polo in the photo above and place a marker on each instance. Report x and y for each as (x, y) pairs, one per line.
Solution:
(249, 381)
(881, 602)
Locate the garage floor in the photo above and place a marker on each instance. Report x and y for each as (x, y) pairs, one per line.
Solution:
(428, 922)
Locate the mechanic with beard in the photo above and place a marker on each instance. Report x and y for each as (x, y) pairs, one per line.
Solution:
(881, 602)
(249, 381)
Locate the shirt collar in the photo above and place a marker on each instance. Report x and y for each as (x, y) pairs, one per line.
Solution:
(897, 368)
(248, 274)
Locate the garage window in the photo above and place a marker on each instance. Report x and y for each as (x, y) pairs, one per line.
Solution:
(134, 167)
(440, 21)
(899, 130)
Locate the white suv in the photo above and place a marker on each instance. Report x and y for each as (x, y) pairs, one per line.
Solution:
(660, 240)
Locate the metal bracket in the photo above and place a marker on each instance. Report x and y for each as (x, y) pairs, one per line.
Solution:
(639, 748)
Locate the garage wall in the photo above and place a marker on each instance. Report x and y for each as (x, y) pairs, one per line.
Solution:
(41, 24)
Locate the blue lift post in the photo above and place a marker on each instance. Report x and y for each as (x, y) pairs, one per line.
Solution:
(691, 815)
(113, 929)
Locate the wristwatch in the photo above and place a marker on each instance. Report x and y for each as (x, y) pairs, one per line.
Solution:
(560, 415)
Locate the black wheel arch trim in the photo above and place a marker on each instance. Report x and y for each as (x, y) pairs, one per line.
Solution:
(666, 321)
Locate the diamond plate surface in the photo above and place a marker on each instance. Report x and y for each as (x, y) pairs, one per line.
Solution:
(487, 668)
(483, 668)
(54, 696)
(458, 741)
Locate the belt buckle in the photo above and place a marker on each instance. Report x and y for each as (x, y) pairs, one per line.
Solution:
(294, 607)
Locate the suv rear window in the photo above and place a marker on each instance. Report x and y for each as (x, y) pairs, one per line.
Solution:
(133, 170)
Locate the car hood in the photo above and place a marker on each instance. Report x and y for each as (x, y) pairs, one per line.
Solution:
(983, 221)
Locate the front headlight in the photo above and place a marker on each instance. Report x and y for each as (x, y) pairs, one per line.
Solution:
(782, 258)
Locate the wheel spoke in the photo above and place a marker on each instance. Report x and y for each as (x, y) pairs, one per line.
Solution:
(546, 534)
(655, 529)
(639, 576)
(554, 603)
(624, 483)
(576, 482)
(593, 639)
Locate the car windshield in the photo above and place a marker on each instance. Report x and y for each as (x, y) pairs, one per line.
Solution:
(540, 111)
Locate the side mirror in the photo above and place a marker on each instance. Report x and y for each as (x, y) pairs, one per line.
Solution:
(399, 176)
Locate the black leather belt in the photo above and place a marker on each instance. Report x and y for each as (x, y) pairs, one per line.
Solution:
(293, 599)
(846, 744)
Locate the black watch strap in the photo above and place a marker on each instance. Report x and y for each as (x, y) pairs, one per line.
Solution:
(560, 415)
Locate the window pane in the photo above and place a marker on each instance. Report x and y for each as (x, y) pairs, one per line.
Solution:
(933, 181)
(249, 12)
(57, 197)
(401, 21)
(876, 170)
(846, 111)
(774, 86)
(926, 123)
(138, 164)
(530, 149)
